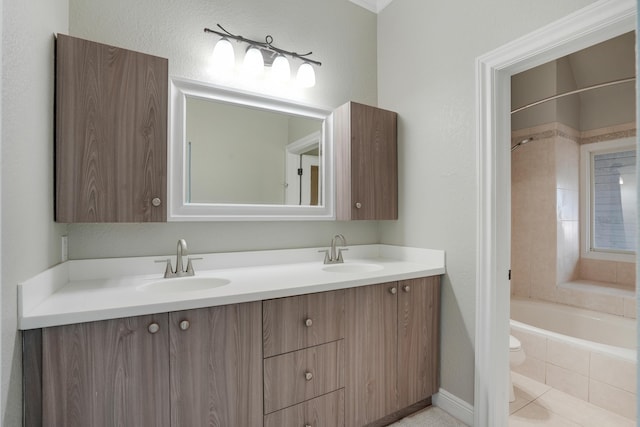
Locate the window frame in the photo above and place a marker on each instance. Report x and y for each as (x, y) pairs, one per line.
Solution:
(586, 182)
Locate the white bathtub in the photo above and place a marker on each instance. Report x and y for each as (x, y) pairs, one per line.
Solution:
(589, 329)
(587, 354)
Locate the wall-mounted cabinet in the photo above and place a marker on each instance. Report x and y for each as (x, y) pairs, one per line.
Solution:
(365, 140)
(111, 133)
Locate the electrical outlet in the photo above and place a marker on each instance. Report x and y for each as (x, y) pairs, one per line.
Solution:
(64, 248)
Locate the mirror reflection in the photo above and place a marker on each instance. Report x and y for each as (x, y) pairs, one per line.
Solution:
(239, 154)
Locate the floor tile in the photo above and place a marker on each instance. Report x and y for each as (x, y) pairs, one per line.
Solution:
(526, 391)
(584, 413)
(537, 415)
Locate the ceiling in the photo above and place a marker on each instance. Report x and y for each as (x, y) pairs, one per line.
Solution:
(374, 6)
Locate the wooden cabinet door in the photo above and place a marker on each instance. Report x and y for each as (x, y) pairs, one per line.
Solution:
(418, 343)
(111, 133)
(370, 353)
(366, 163)
(107, 373)
(216, 366)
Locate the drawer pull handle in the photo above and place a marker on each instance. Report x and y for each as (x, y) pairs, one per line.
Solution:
(153, 328)
(308, 322)
(184, 325)
(308, 376)
(406, 288)
(393, 291)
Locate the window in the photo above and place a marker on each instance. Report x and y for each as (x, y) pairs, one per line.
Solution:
(609, 207)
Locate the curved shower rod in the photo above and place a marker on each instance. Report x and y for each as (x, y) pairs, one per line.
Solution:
(573, 92)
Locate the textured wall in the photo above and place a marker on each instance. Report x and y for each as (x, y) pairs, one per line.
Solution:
(340, 34)
(30, 238)
(426, 65)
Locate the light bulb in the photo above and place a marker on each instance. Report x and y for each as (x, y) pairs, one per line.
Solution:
(280, 70)
(253, 65)
(223, 57)
(306, 76)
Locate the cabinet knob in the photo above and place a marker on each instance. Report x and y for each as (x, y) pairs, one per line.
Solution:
(308, 376)
(307, 425)
(184, 325)
(308, 322)
(393, 291)
(406, 288)
(156, 201)
(358, 205)
(153, 328)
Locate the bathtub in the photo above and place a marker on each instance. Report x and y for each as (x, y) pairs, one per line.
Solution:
(587, 354)
(588, 329)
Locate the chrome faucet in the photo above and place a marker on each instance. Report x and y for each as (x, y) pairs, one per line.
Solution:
(330, 256)
(180, 271)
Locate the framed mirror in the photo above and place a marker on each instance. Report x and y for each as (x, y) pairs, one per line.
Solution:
(237, 155)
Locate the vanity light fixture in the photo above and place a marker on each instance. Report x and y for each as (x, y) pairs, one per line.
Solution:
(261, 54)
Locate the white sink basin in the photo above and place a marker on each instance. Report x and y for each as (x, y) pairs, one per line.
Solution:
(352, 267)
(184, 284)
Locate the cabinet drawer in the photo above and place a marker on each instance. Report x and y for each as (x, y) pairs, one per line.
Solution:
(323, 411)
(294, 323)
(302, 375)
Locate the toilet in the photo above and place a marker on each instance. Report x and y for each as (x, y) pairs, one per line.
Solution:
(516, 357)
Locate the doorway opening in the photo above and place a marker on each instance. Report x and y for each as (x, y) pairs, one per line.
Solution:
(593, 24)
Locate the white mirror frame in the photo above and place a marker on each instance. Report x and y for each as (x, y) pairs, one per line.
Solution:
(179, 210)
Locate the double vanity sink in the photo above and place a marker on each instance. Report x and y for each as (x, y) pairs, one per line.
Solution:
(88, 290)
(205, 282)
(260, 339)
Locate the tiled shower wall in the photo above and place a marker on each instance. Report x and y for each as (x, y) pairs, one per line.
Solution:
(545, 242)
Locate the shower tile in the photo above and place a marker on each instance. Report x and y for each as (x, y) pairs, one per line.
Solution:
(568, 357)
(567, 206)
(568, 381)
(612, 399)
(598, 270)
(613, 371)
(590, 300)
(626, 273)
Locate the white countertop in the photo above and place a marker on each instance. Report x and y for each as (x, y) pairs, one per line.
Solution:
(89, 290)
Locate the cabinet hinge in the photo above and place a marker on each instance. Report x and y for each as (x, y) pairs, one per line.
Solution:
(509, 274)
(300, 171)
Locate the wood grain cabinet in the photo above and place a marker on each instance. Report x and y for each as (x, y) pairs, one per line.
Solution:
(391, 350)
(111, 133)
(365, 140)
(304, 370)
(196, 367)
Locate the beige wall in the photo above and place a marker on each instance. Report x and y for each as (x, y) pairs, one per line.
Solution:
(426, 66)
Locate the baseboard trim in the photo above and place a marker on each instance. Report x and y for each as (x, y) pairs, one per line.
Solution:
(454, 406)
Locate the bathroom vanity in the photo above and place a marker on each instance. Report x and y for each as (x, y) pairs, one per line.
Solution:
(285, 341)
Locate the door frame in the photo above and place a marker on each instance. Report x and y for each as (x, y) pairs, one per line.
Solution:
(593, 24)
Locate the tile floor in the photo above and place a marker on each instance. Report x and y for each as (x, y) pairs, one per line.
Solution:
(538, 404)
